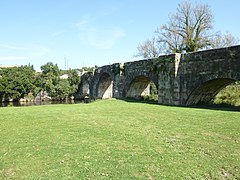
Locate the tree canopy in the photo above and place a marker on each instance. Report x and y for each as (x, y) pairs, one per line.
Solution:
(22, 82)
(17, 82)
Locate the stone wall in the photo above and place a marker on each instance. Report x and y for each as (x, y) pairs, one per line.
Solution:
(203, 74)
(84, 86)
(168, 80)
(181, 79)
(111, 75)
(139, 88)
(105, 87)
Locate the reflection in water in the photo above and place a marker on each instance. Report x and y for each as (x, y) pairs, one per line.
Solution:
(37, 103)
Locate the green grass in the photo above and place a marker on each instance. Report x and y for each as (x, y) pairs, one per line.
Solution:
(114, 139)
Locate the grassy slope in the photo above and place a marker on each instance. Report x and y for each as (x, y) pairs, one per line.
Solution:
(115, 139)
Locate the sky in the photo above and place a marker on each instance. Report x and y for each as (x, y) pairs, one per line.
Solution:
(78, 33)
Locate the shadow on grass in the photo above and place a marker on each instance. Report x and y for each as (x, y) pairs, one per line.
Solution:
(219, 107)
(132, 100)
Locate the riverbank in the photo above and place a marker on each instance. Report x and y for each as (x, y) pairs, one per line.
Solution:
(38, 103)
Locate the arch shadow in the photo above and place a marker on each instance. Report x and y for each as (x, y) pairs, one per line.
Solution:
(105, 86)
(140, 87)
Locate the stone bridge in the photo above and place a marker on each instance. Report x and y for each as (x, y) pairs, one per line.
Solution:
(181, 79)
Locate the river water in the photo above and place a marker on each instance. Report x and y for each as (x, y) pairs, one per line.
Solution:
(37, 103)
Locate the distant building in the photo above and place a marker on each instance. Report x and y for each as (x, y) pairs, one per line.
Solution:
(65, 76)
(5, 67)
(79, 73)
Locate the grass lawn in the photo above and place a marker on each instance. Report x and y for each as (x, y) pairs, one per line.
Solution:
(114, 139)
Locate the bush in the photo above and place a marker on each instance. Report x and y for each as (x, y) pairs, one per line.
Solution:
(230, 95)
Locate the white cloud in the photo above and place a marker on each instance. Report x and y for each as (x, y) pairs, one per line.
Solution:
(99, 37)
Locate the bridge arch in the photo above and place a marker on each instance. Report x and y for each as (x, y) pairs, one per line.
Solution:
(140, 86)
(105, 86)
(206, 91)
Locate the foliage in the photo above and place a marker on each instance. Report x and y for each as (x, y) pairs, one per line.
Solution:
(74, 80)
(153, 93)
(113, 139)
(62, 89)
(17, 82)
(38, 84)
(51, 83)
(115, 68)
(50, 77)
(73, 77)
(24, 82)
(230, 95)
(88, 69)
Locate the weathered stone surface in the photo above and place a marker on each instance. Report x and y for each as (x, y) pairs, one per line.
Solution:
(139, 87)
(84, 86)
(205, 73)
(181, 79)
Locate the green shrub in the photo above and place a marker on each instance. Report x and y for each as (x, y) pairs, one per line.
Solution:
(230, 95)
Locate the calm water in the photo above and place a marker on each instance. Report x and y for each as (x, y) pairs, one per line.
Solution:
(37, 103)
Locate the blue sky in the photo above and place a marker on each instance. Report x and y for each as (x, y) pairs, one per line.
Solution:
(93, 32)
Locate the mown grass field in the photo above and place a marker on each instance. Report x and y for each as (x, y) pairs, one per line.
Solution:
(114, 139)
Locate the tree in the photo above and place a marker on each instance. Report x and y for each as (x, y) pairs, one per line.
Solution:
(50, 77)
(62, 89)
(188, 30)
(225, 40)
(148, 49)
(74, 80)
(16, 82)
(49, 81)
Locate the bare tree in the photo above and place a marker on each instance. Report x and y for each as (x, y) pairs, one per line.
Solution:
(224, 40)
(189, 29)
(148, 49)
